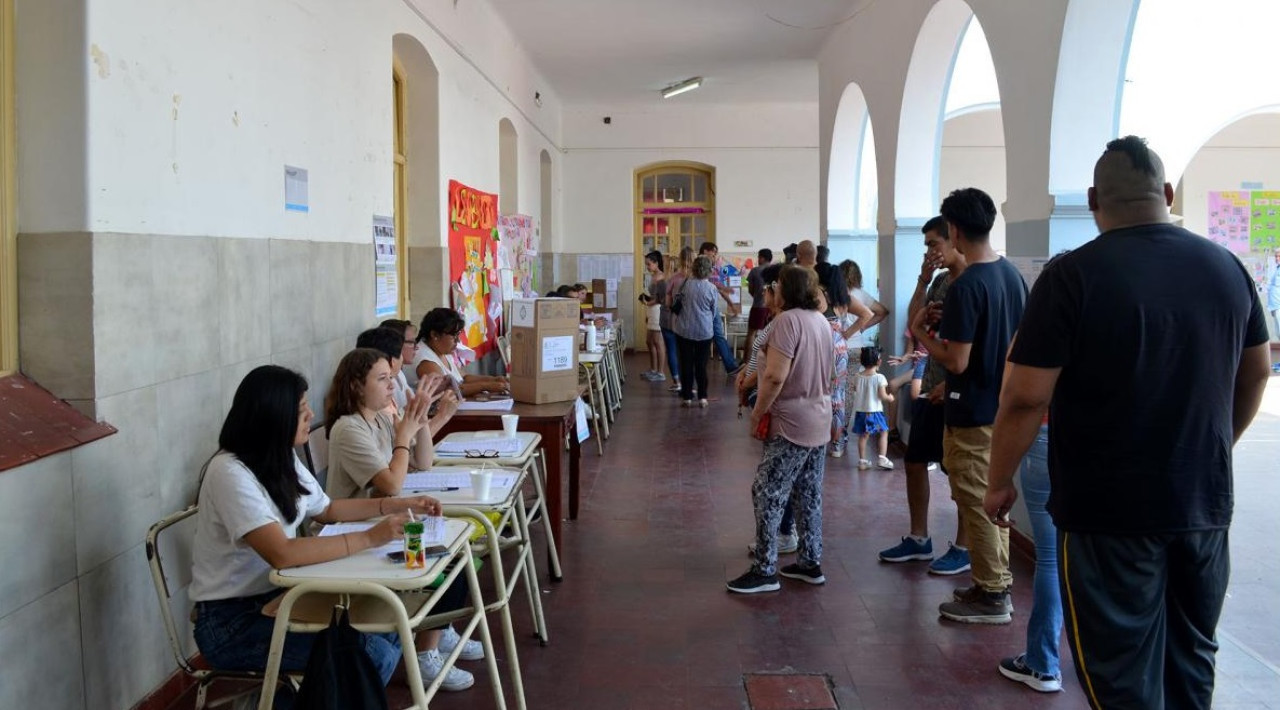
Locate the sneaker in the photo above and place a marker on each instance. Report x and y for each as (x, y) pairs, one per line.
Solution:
(787, 544)
(970, 593)
(703, 403)
(431, 663)
(675, 386)
(471, 650)
(647, 375)
(753, 582)
(809, 575)
(734, 372)
(837, 453)
(1016, 669)
(982, 608)
(954, 562)
(686, 403)
(907, 550)
(863, 464)
(658, 377)
(885, 463)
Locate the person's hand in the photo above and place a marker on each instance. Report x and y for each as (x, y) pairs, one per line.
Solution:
(420, 505)
(388, 529)
(998, 502)
(930, 264)
(447, 408)
(933, 314)
(415, 410)
(937, 393)
(888, 398)
(753, 424)
(895, 360)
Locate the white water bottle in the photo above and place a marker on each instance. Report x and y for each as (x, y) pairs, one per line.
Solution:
(591, 337)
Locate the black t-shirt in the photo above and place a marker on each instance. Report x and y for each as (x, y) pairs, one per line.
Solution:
(983, 307)
(1148, 324)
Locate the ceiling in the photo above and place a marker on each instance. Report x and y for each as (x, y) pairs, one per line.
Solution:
(626, 51)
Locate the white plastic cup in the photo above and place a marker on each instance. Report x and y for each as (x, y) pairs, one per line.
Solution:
(481, 481)
(509, 424)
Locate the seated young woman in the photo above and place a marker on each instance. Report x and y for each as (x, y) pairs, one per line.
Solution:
(369, 455)
(254, 493)
(439, 338)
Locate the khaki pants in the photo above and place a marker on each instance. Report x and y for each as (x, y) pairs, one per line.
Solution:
(966, 456)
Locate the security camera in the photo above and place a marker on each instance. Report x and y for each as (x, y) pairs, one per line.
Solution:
(608, 120)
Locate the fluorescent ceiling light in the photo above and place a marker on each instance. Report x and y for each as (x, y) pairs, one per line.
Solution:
(680, 88)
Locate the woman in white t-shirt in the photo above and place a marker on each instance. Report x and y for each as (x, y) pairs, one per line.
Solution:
(438, 338)
(864, 313)
(253, 495)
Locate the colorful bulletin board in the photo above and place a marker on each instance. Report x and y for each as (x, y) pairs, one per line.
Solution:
(473, 264)
(518, 251)
(1245, 220)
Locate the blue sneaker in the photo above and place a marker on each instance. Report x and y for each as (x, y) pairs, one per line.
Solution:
(908, 550)
(954, 562)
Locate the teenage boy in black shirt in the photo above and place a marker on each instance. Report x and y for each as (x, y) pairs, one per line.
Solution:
(982, 312)
(1143, 420)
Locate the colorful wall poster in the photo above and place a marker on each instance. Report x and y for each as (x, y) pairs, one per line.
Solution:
(1264, 224)
(1229, 220)
(473, 264)
(385, 272)
(518, 251)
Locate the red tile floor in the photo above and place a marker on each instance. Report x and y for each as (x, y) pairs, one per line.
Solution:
(642, 620)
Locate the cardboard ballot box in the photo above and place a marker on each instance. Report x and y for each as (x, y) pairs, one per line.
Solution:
(544, 349)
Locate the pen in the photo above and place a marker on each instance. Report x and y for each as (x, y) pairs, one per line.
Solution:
(436, 490)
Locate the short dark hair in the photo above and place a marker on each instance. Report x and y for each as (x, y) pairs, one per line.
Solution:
(398, 325)
(972, 210)
(765, 254)
(563, 290)
(383, 340)
(798, 287)
(656, 257)
(1139, 154)
(440, 320)
(708, 246)
(789, 252)
(824, 253)
(937, 225)
(869, 356)
(769, 274)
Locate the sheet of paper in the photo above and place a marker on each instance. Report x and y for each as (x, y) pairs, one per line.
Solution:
(502, 445)
(500, 404)
(345, 528)
(461, 480)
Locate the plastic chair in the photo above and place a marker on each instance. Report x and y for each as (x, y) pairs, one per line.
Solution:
(169, 545)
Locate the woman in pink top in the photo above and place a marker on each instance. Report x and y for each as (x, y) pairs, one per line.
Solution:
(793, 415)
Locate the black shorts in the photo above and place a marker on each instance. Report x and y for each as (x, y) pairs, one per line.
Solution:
(925, 444)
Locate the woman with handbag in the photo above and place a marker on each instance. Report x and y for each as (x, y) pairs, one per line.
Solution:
(795, 398)
(695, 307)
(253, 495)
(667, 318)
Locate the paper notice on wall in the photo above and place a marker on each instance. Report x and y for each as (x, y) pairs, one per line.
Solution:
(295, 190)
(385, 267)
(597, 300)
(557, 353)
(611, 284)
(580, 420)
(610, 299)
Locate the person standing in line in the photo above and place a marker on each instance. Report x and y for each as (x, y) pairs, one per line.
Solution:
(1273, 294)
(795, 393)
(694, 331)
(924, 446)
(712, 254)
(984, 305)
(832, 280)
(653, 316)
(680, 272)
(1143, 425)
(759, 313)
(864, 310)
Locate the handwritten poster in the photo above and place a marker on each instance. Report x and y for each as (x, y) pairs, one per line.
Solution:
(473, 264)
(1229, 220)
(518, 251)
(1264, 224)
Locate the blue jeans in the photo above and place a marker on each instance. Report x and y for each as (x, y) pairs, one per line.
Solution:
(1044, 628)
(722, 345)
(673, 360)
(234, 635)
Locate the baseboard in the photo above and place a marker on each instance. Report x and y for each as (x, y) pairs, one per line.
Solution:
(171, 689)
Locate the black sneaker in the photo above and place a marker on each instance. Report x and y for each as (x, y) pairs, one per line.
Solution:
(811, 575)
(1016, 669)
(989, 608)
(976, 593)
(753, 582)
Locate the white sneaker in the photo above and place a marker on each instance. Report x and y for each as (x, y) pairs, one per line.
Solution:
(863, 464)
(837, 453)
(431, 663)
(786, 544)
(702, 403)
(885, 463)
(471, 651)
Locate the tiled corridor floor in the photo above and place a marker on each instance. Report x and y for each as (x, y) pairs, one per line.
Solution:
(642, 620)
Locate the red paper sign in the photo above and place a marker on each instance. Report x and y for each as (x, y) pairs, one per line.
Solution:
(473, 265)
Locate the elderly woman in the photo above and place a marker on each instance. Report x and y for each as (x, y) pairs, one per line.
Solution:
(694, 330)
(795, 393)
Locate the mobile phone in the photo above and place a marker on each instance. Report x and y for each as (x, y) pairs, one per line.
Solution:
(397, 556)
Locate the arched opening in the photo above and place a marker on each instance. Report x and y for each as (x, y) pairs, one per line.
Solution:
(852, 189)
(418, 212)
(675, 208)
(508, 168)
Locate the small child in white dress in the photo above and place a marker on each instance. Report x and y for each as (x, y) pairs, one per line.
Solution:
(869, 391)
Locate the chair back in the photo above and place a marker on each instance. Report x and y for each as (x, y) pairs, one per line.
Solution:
(169, 549)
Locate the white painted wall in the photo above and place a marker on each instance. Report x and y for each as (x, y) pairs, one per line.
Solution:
(195, 115)
(973, 155)
(1245, 151)
(766, 170)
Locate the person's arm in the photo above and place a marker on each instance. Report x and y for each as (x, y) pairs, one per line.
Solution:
(1250, 384)
(885, 395)
(952, 355)
(878, 313)
(447, 407)
(862, 317)
(281, 551)
(777, 367)
(1024, 399)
